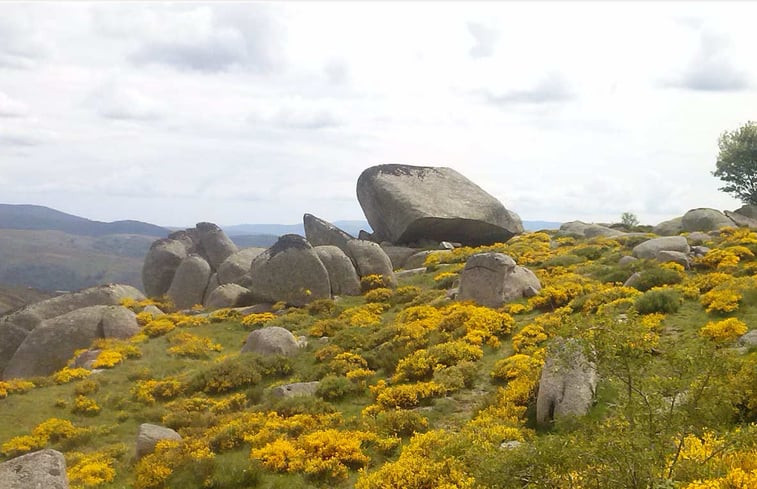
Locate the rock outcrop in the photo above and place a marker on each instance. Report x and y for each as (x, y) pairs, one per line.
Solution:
(226, 295)
(45, 469)
(289, 271)
(650, 248)
(567, 384)
(704, 219)
(581, 229)
(748, 211)
(149, 435)
(50, 345)
(492, 279)
(342, 275)
(405, 204)
(271, 340)
(189, 282)
(160, 265)
(237, 265)
(398, 255)
(370, 259)
(672, 227)
(216, 245)
(321, 233)
(741, 220)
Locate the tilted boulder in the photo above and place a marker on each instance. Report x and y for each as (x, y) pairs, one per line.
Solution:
(370, 259)
(320, 233)
(189, 282)
(671, 227)
(650, 247)
(215, 243)
(741, 220)
(289, 271)
(226, 295)
(342, 275)
(160, 265)
(581, 229)
(49, 346)
(748, 211)
(45, 469)
(682, 259)
(149, 435)
(16, 326)
(568, 382)
(398, 255)
(271, 340)
(237, 265)
(492, 279)
(406, 204)
(212, 285)
(704, 219)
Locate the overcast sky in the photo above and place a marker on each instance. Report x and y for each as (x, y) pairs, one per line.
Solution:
(257, 113)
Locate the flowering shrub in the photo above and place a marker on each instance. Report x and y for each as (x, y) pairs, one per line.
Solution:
(721, 300)
(66, 375)
(515, 366)
(15, 386)
(148, 391)
(327, 327)
(529, 338)
(107, 359)
(257, 320)
(86, 406)
(159, 327)
(422, 363)
(381, 294)
(445, 280)
(50, 430)
(226, 314)
(404, 396)
(723, 331)
(90, 469)
(375, 281)
(365, 315)
(405, 294)
(190, 345)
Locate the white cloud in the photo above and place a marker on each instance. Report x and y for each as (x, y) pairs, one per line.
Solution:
(117, 101)
(12, 108)
(485, 39)
(711, 69)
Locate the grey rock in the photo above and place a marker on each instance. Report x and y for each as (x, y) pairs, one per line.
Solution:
(370, 259)
(237, 265)
(748, 211)
(627, 260)
(650, 248)
(580, 229)
(50, 345)
(672, 227)
(398, 255)
(704, 219)
(749, 338)
(256, 309)
(212, 285)
(216, 244)
(741, 220)
(85, 359)
(699, 250)
(149, 435)
(272, 340)
(45, 469)
(491, 279)
(320, 233)
(665, 256)
(189, 282)
(342, 275)
(633, 280)
(154, 310)
(226, 295)
(289, 271)
(16, 326)
(698, 237)
(568, 382)
(296, 389)
(418, 259)
(404, 204)
(160, 265)
(409, 273)
(365, 235)
(446, 245)
(509, 445)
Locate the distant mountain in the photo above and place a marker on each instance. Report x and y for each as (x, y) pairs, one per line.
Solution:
(254, 240)
(14, 297)
(37, 217)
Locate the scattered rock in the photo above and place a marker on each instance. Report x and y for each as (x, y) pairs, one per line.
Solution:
(45, 469)
(650, 248)
(581, 229)
(404, 204)
(319, 233)
(289, 271)
(673, 227)
(703, 219)
(568, 382)
(749, 339)
(370, 259)
(509, 445)
(675, 257)
(491, 279)
(149, 435)
(699, 250)
(627, 260)
(237, 265)
(398, 255)
(271, 340)
(189, 282)
(226, 295)
(296, 389)
(50, 345)
(342, 275)
(633, 280)
(85, 359)
(410, 273)
(160, 265)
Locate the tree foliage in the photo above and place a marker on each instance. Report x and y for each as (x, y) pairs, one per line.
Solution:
(629, 219)
(737, 162)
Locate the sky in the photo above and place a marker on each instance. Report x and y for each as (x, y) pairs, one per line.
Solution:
(175, 113)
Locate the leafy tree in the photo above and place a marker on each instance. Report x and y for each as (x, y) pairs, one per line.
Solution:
(737, 162)
(629, 219)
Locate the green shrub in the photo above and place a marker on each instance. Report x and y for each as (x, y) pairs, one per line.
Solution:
(228, 375)
(334, 388)
(656, 277)
(563, 261)
(589, 252)
(275, 366)
(290, 406)
(322, 307)
(405, 294)
(659, 300)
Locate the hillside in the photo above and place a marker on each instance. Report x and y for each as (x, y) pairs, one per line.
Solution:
(14, 297)
(418, 391)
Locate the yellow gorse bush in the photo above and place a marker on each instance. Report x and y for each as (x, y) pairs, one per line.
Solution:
(14, 386)
(723, 331)
(186, 344)
(66, 375)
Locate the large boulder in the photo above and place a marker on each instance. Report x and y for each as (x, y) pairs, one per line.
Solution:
(405, 204)
(703, 219)
(342, 275)
(49, 346)
(289, 271)
(160, 265)
(45, 469)
(320, 233)
(296, 389)
(215, 243)
(189, 282)
(568, 382)
(16, 326)
(226, 295)
(237, 265)
(580, 229)
(491, 279)
(370, 259)
(671, 227)
(748, 211)
(741, 220)
(650, 247)
(398, 255)
(682, 259)
(149, 435)
(271, 340)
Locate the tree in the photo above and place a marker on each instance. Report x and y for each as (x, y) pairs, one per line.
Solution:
(629, 219)
(737, 162)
